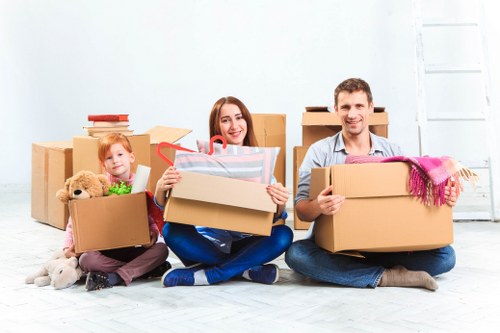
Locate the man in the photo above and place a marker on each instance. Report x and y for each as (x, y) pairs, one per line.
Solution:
(353, 105)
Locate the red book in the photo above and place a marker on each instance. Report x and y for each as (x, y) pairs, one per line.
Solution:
(108, 117)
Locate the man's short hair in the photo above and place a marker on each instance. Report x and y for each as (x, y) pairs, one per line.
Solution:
(352, 85)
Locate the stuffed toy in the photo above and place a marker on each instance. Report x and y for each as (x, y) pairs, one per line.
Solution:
(83, 185)
(59, 272)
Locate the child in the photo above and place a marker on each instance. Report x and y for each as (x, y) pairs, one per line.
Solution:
(111, 267)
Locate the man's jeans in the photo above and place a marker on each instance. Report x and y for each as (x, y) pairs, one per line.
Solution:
(307, 258)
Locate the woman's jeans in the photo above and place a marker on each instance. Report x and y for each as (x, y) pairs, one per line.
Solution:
(309, 259)
(192, 247)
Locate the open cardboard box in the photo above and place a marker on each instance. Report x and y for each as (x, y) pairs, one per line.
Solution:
(109, 222)
(51, 165)
(220, 202)
(319, 125)
(144, 146)
(379, 214)
(162, 134)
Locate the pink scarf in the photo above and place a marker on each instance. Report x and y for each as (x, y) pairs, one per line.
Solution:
(429, 176)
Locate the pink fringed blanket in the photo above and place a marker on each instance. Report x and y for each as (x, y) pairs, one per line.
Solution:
(429, 176)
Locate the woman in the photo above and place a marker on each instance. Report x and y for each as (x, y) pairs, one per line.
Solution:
(213, 255)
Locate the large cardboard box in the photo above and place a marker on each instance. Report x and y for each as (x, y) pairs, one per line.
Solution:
(51, 166)
(318, 125)
(85, 149)
(270, 130)
(379, 214)
(109, 222)
(222, 203)
(298, 156)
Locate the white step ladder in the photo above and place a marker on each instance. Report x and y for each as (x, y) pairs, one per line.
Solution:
(453, 97)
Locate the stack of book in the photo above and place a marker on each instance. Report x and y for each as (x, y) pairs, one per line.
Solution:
(104, 124)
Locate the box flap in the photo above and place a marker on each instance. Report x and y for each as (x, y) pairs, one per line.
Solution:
(371, 179)
(320, 179)
(331, 119)
(224, 191)
(61, 145)
(167, 134)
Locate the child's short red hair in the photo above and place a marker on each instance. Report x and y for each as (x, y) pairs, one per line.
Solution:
(107, 141)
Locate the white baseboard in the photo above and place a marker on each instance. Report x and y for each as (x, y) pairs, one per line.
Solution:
(15, 188)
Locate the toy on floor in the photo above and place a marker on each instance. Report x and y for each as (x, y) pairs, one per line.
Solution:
(59, 272)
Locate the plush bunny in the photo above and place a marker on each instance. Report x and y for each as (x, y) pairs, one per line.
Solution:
(59, 272)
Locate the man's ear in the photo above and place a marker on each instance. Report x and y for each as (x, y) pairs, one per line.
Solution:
(371, 107)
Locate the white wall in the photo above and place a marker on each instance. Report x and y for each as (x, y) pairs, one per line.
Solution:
(167, 62)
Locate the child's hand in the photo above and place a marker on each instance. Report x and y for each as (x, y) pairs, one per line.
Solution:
(69, 251)
(153, 237)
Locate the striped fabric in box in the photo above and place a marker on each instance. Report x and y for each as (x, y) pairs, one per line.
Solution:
(245, 163)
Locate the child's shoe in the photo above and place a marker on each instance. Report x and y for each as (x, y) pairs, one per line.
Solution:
(97, 281)
(158, 271)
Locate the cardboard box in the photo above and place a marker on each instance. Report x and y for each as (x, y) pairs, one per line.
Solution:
(85, 156)
(158, 165)
(85, 149)
(51, 166)
(270, 130)
(298, 156)
(222, 203)
(319, 125)
(379, 214)
(109, 222)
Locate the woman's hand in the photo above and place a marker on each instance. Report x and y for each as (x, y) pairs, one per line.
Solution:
(169, 178)
(278, 193)
(329, 203)
(166, 182)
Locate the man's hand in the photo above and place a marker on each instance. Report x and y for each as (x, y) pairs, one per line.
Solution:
(329, 203)
(450, 193)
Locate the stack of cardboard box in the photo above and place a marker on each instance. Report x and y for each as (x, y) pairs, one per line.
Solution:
(319, 123)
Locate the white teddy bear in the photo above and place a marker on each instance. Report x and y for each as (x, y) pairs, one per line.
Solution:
(60, 272)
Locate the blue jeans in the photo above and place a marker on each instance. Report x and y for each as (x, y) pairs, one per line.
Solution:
(307, 258)
(191, 247)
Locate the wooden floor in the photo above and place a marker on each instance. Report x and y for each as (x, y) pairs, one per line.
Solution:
(468, 299)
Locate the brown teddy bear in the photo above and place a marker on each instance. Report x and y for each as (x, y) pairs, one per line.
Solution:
(60, 272)
(83, 185)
